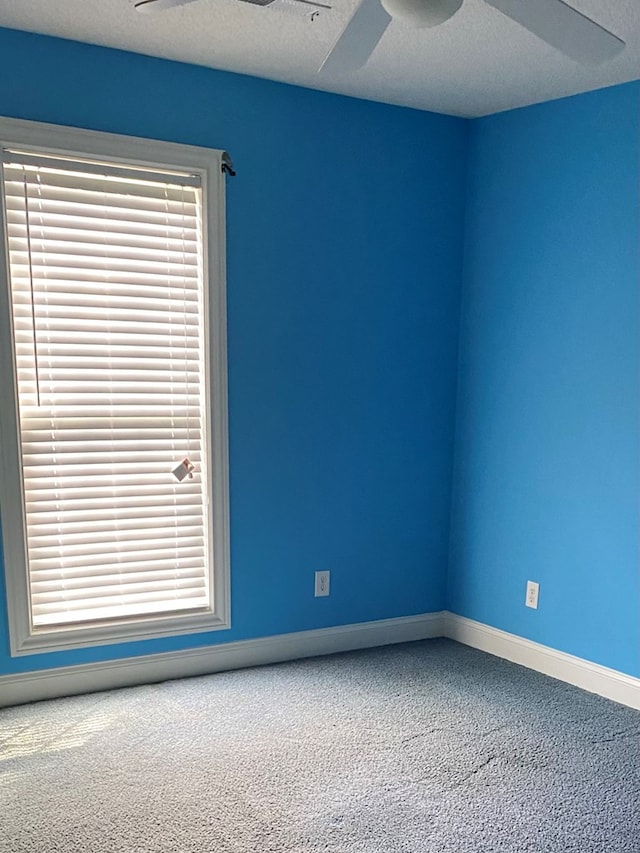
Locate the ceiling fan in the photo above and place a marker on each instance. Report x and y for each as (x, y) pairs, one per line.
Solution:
(554, 21)
(307, 7)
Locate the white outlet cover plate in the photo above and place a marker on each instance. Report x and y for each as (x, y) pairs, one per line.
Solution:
(533, 590)
(323, 583)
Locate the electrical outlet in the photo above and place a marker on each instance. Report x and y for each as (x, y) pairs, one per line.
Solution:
(533, 589)
(323, 581)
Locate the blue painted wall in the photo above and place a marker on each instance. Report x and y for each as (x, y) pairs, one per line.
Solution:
(346, 238)
(345, 230)
(546, 471)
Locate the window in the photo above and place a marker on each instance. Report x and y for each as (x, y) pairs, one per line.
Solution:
(114, 490)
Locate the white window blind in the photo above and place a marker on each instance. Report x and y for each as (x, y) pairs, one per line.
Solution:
(106, 280)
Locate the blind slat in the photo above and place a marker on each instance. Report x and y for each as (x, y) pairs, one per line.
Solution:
(135, 558)
(158, 567)
(61, 168)
(137, 608)
(69, 528)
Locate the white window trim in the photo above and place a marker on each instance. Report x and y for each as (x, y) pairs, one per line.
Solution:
(153, 154)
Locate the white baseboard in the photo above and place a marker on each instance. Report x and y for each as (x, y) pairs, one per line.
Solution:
(582, 673)
(86, 678)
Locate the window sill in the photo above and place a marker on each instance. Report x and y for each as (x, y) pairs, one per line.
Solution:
(153, 628)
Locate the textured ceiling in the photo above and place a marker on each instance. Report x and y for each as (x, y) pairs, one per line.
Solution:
(478, 62)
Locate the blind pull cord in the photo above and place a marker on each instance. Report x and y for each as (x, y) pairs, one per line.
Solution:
(184, 469)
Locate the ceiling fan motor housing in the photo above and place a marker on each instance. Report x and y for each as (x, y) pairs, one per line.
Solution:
(422, 13)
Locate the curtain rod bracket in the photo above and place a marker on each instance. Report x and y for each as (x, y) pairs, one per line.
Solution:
(227, 165)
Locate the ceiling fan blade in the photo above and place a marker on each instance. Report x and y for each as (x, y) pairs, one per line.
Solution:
(564, 28)
(157, 5)
(358, 39)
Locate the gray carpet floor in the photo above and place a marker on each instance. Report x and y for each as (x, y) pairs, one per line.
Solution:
(427, 747)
